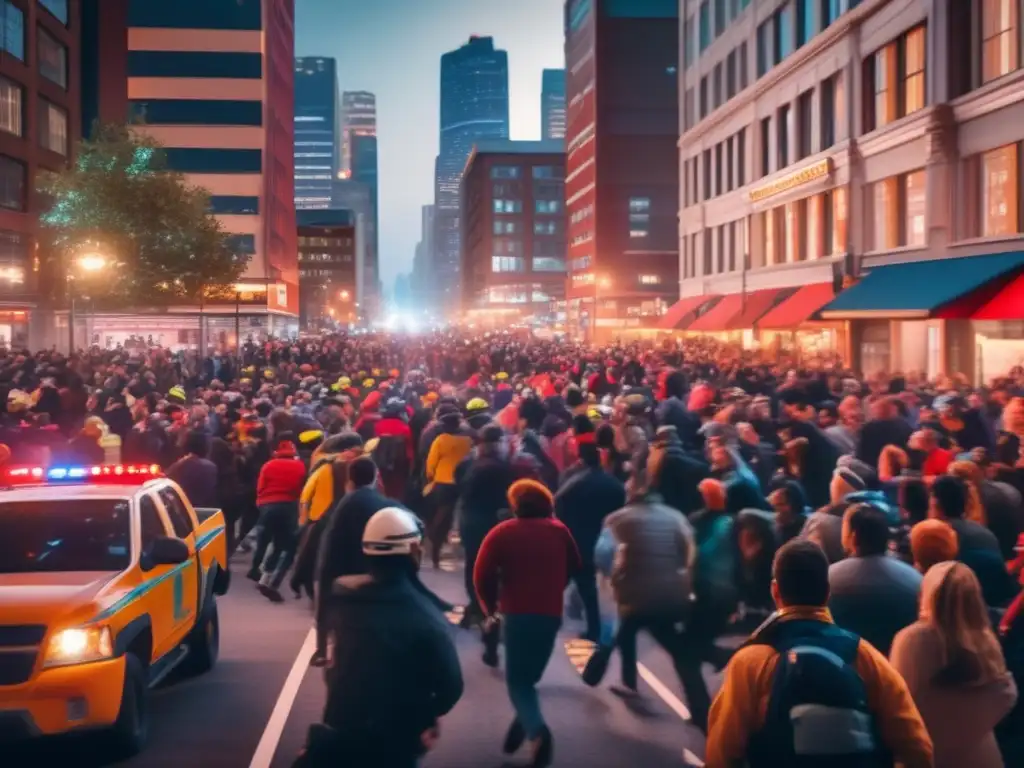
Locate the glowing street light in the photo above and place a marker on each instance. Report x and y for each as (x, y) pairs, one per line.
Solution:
(344, 295)
(92, 262)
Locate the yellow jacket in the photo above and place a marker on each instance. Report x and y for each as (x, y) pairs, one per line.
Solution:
(317, 494)
(741, 705)
(446, 453)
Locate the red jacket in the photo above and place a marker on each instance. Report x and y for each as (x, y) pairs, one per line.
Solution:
(524, 566)
(281, 479)
(392, 427)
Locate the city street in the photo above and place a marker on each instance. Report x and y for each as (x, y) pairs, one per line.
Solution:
(254, 708)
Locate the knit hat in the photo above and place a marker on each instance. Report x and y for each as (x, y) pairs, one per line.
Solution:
(933, 541)
(528, 498)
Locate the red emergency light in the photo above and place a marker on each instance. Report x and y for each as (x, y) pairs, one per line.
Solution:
(82, 474)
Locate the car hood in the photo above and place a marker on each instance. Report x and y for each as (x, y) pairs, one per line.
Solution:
(44, 598)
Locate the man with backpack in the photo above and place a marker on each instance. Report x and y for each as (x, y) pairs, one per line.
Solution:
(803, 692)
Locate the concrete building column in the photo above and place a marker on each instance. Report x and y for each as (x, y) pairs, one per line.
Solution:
(941, 176)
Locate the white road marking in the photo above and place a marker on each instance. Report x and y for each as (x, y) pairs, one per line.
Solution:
(267, 748)
(673, 703)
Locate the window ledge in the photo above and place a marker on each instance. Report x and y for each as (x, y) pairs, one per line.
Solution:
(896, 133)
(968, 242)
(894, 255)
(1000, 93)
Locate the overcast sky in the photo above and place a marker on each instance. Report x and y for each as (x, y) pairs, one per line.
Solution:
(393, 48)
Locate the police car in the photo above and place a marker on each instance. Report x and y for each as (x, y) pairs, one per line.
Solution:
(108, 581)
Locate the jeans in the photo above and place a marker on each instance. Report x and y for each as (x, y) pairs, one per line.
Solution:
(442, 500)
(529, 642)
(278, 531)
(471, 541)
(585, 580)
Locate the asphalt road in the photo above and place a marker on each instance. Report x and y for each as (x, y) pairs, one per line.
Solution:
(253, 709)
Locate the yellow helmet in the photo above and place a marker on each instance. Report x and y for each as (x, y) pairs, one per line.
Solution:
(344, 382)
(178, 393)
(500, 376)
(477, 404)
(367, 383)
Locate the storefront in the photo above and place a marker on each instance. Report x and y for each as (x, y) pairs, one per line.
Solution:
(14, 328)
(790, 326)
(939, 316)
(731, 319)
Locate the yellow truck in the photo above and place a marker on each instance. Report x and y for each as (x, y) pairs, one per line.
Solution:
(108, 582)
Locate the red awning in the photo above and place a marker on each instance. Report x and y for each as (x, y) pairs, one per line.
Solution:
(799, 307)
(734, 312)
(1008, 304)
(678, 314)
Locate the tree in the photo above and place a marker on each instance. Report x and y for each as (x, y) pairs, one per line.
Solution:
(153, 228)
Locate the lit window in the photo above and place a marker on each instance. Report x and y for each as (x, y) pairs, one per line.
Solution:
(53, 127)
(999, 192)
(507, 264)
(650, 279)
(914, 194)
(885, 86)
(913, 79)
(1000, 46)
(547, 206)
(508, 206)
(10, 107)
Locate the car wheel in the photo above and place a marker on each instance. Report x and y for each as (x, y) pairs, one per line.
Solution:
(204, 641)
(131, 729)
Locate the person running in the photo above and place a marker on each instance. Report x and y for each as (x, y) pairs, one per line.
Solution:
(846, 704)
(277, 496)
(522, 569)
(394, 671)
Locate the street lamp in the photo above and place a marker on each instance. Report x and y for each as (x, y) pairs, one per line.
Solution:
(89, 263)
(344, 295)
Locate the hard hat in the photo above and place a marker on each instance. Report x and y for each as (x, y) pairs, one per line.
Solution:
(477, 404)
(392, 531)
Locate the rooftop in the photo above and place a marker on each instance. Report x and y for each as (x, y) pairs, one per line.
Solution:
(509, 147)
(325, 217)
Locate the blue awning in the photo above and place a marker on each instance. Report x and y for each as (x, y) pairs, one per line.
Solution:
(919, 289)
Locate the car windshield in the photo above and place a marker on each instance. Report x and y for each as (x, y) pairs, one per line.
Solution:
(65, 535)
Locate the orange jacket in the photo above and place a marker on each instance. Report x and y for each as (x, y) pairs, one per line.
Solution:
(741, 705)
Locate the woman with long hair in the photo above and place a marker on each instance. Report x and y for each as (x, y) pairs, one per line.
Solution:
(969, 472)
(954, 667)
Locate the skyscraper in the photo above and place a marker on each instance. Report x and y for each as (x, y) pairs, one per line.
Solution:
(474, 106)
(358, 118)
(317, 131)
(552, 104)
(359, 163)
(213, 81)
(622, 203)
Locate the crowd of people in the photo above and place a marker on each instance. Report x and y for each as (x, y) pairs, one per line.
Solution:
(866, 533)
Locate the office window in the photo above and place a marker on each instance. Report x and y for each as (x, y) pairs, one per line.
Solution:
(839, 220)
(782, 126)
(766, 146)
(795, 213)
(12, 184)
(689, 43)
(53, 59)
(814, 224)
(886, 212)
(743, 66)
(639, 217)
(914, 197)
(827, 223)
(505, 172)
(741, 157)
(59, 8)
(650, 280)
(804, 21)
(704, 26)
(706, 159)
(548, 264)
(885, 86)
(688, 109)
(1000, 43)
(547, 172)
(505, 227)
(13, 33)
(764, 40)
(804, 125)
(1000, 191)
(913, 71)
(53, 127)
(703, 106)
(11, 107)
(508, 206)
(784, 28)
(830, 11)
(543, 227)
(733, 245)
(719, 17)
(716, 81)
(827, 114)
(719, 186)
(730, 74)
(729, 160)
(774, 236)
(547, 206)
(507, 264)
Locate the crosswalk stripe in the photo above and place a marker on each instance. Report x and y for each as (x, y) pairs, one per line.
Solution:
(579, 653)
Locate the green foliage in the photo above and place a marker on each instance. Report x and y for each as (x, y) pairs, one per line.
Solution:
(155, 231)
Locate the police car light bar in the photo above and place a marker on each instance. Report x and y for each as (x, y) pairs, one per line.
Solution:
(97, 472)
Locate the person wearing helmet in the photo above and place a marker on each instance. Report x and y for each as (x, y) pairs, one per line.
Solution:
(478, 413)
(393, 671)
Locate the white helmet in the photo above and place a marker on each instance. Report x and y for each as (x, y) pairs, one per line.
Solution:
(392, 531)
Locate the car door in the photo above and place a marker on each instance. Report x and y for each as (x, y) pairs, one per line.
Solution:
(158, 582)
(186, 578)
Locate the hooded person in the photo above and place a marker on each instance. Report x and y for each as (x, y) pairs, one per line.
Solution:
(394, 669)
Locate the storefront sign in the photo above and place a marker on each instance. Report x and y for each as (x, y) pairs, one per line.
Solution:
(819, 170)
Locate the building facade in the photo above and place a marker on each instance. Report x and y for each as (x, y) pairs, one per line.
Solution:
(329, 241)
(513, 234)
(422, 281)
(474, 107)
(213, 81)
(40, 118)
(622, 189)
(358, 118)
(867, 149)
(317, 131)
(357, 197)
(552, 104)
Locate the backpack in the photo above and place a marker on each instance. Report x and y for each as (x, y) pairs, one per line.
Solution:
(389, 454)
(817, 714)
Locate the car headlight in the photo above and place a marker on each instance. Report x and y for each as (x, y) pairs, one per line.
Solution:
(78, 646)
